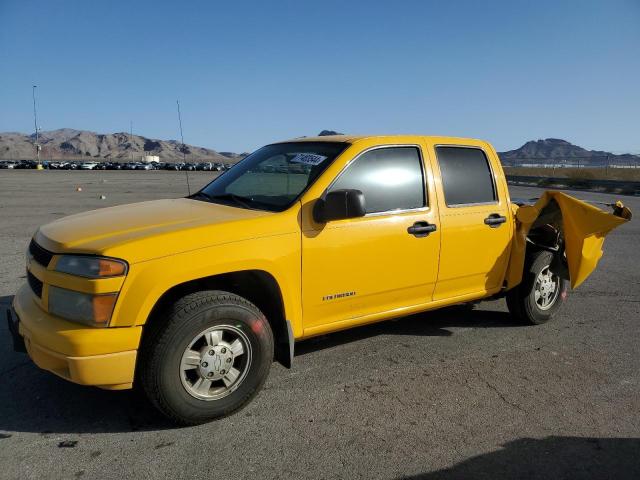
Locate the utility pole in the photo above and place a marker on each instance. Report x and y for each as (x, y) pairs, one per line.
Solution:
(35, 124)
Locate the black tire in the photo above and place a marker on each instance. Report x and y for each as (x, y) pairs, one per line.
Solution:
(159, 367)
(521, 300)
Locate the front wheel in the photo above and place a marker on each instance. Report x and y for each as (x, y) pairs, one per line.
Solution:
(541, 292)
(206, 358)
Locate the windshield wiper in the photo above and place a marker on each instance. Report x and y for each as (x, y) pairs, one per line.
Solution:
(239, 200)
(200, 195)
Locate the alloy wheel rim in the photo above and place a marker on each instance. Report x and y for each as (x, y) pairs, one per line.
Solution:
(215, 362)
(547, 289)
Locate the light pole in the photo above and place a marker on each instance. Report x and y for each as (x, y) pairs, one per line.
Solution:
(131, 138)
(35, 124)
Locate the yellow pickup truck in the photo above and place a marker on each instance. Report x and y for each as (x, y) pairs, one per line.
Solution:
(191, 299)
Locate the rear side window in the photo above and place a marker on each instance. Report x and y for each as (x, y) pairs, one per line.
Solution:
(390, 179)
(466, 176)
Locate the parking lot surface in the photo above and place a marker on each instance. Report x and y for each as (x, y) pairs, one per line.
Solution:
(450, 394)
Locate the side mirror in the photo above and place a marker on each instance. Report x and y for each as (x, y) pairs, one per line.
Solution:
(338, 205)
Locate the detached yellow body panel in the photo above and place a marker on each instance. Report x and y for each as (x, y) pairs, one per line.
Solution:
(328, 276)
(584, 227)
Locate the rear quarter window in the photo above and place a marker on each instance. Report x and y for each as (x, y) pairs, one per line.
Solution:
(466, 176)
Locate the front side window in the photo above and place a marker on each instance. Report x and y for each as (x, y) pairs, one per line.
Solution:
(273, 177)
(390, 179)
(466, 176)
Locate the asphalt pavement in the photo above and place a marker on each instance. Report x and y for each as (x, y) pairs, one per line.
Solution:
(450, 394)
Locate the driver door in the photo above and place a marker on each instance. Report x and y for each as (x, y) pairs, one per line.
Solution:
(353, 269)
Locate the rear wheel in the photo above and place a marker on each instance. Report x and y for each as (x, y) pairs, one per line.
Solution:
(541, 292)
(206, 358)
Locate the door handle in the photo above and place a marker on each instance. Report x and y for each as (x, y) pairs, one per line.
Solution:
(495, 220)
(421, 229)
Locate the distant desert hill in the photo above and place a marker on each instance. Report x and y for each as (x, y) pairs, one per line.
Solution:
(555, 149)
(70, 143)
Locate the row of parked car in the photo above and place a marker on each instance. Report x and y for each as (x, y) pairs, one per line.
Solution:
(90, 165)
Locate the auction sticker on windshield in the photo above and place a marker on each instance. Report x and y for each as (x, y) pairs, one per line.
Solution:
(308, 159)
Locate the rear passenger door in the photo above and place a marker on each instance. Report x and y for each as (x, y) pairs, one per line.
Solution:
(475, 222)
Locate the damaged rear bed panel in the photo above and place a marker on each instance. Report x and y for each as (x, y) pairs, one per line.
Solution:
(583, 228)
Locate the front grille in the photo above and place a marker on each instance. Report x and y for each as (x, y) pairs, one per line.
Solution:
(39, 254)
(35, 284)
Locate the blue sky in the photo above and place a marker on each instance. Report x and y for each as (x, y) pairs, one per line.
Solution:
(248, 73)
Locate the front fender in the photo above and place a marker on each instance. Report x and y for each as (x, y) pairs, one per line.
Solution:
(278, 255)
(584, 228)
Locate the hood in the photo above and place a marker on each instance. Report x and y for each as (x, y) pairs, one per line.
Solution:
(147, 230)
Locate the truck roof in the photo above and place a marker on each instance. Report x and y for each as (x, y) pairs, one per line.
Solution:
(386, 138)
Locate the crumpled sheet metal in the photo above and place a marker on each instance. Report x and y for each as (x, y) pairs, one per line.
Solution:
(585, 228)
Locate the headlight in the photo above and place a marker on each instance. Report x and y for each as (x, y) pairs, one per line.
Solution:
(91, 267)
(94, 310)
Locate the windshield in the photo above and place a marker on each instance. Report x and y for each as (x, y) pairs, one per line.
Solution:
(273, 177)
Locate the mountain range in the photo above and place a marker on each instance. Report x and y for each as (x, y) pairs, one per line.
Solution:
(554, 150)
(70, 143)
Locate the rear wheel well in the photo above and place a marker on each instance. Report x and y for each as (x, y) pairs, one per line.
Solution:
(257, 286)
(547, 234)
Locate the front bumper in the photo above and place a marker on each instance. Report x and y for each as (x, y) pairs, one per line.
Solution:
(103, 357)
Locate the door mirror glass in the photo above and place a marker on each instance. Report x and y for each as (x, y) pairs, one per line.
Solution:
(338, 205)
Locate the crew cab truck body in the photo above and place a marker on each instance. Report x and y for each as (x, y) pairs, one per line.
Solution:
(192, 298)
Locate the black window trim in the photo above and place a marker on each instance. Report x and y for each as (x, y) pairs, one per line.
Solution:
(425, 190)
(493, 176)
